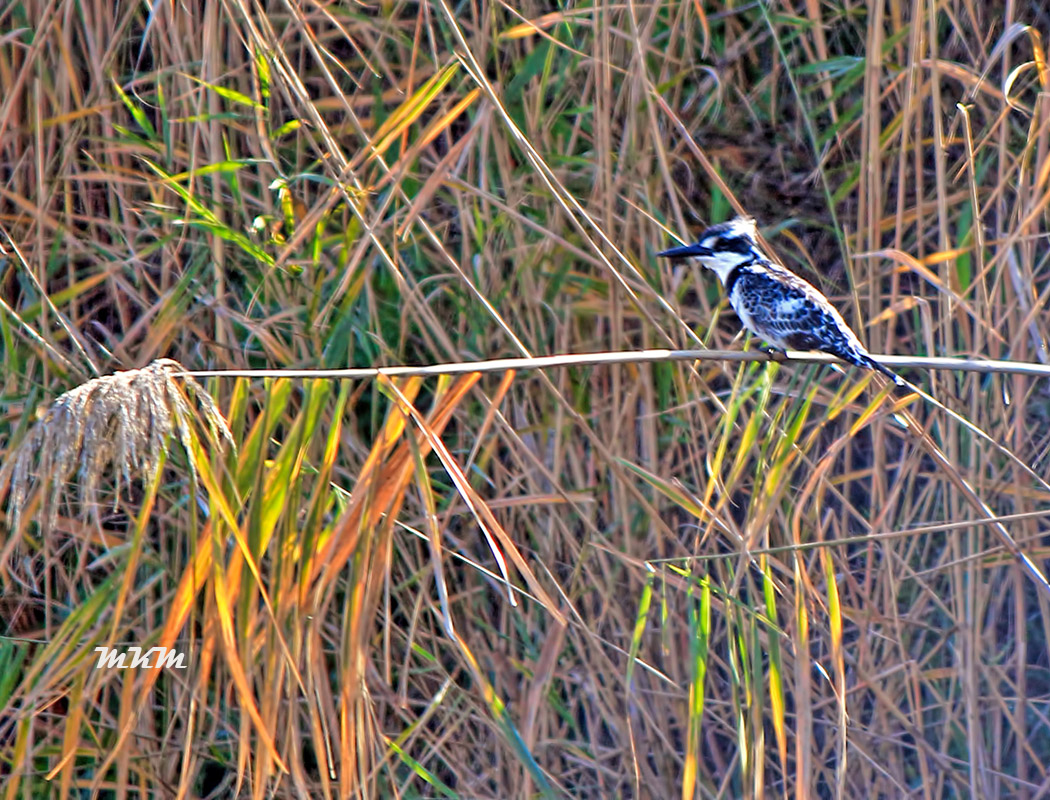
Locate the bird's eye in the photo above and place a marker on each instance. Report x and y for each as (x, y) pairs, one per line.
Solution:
(734, 244)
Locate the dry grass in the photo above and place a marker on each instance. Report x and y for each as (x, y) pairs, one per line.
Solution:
(122, 422)
(654, 580)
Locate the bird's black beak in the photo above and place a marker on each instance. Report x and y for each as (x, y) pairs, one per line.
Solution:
(686, 251)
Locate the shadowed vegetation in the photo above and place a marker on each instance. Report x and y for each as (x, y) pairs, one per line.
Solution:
(656, 580)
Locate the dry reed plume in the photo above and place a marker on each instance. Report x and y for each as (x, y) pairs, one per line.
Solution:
(123, 420)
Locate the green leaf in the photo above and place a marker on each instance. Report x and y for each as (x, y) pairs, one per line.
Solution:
(227, 94)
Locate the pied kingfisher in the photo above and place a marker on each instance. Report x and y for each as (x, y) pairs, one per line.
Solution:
(773, 302)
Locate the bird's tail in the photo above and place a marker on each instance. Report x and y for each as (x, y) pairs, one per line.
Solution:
(867, 361)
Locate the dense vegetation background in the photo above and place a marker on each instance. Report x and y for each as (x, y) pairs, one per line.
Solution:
(730, 580)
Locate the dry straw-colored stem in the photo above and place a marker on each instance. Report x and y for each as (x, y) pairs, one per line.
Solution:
(623, 357)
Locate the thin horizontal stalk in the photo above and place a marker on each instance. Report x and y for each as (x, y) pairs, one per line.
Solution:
(624, 357)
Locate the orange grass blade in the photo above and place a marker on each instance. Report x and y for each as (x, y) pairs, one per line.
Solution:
(484, 516)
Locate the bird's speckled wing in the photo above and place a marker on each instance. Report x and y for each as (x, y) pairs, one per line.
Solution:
(789, 313)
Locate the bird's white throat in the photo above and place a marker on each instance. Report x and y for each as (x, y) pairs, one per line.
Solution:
(724, 262)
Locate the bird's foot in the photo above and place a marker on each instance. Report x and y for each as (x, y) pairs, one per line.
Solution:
(775, 354)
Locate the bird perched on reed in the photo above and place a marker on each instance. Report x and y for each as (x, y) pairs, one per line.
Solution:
(774, 303)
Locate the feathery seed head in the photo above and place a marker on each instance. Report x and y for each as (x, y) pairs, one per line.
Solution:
(123, 421)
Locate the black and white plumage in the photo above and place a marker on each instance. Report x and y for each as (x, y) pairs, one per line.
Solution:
(773, 302)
